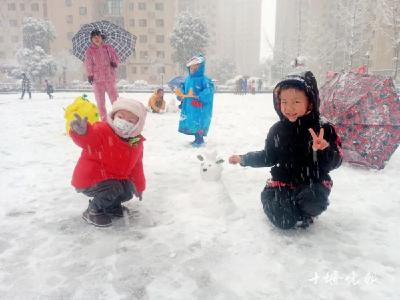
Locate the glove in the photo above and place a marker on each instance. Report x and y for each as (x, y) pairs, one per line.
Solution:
(79, 125)
(90, 79)
(113, 64)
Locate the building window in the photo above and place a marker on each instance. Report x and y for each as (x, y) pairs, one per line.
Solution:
(159, 6)
(118, 21)
(160, 54)
(143, 38)
(143, 54)
(144, 70)
(161, 70)
(82, 11)
(142, 22)
(22, 6)
(132, 22)
(11, 6)
(114, 7)
(142, 6)
(70, 35)
(159, 38)
(35, 7)
(133, 70)
(13, 23)
(160, 23)
(68, 2)
(14, 39)
(2, 55)
(1, 39)
(131, 6)
(69, 19)
(45, 10)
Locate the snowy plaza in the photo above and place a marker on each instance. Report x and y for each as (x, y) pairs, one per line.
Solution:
(187, 238)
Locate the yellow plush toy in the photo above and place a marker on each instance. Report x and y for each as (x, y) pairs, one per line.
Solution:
(84, 108)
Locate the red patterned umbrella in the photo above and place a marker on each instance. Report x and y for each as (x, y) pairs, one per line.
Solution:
(366, 112)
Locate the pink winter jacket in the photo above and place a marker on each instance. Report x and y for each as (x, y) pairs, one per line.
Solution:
(97, 63)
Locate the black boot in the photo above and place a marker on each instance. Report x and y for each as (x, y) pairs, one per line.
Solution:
(305, 222)
(117, 211)
(96, 218)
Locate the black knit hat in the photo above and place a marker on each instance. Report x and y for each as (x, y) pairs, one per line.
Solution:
(304, 81)
(97, 32)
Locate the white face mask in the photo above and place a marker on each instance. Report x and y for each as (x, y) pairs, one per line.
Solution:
(123, 127)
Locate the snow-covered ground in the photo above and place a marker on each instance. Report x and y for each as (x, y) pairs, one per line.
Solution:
(187, 239)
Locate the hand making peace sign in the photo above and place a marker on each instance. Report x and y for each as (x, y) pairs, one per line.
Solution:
(318, 141)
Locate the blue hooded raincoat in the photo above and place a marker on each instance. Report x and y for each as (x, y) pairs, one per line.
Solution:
(196, 113)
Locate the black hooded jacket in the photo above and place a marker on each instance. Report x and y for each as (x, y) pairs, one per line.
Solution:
(288, 147)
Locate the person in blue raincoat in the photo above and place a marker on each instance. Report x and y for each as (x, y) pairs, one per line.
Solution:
(197, 101)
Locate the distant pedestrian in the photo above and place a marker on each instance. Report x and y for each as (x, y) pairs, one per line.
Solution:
(244, 86)
(259, 85)
(239, 84)
(49, 89)
(26, 86)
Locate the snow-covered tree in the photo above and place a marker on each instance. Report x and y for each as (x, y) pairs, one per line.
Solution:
(293, 42)
(10, 70)
(357, 35)
(390, 26)
(333, 36)
(37, 32)
(320, 40)
(36, 63)
(34, 58)
(220, 68)
(283, 55)
(338, 38)
(189, 38)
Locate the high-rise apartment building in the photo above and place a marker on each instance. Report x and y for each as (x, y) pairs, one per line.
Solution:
(234, 27)
(150, 20)
(12, 14)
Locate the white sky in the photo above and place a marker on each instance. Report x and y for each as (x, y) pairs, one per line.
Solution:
(267, 27)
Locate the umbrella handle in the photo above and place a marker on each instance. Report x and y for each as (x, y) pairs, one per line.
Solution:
(180, 94)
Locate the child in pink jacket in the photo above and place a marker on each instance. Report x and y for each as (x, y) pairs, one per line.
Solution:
(101, 62)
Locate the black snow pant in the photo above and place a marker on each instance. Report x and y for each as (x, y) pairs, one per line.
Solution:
(109, 194)
(285, 206)
(23, 93)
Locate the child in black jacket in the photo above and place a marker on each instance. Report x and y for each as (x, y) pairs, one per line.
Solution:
(301, 149)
